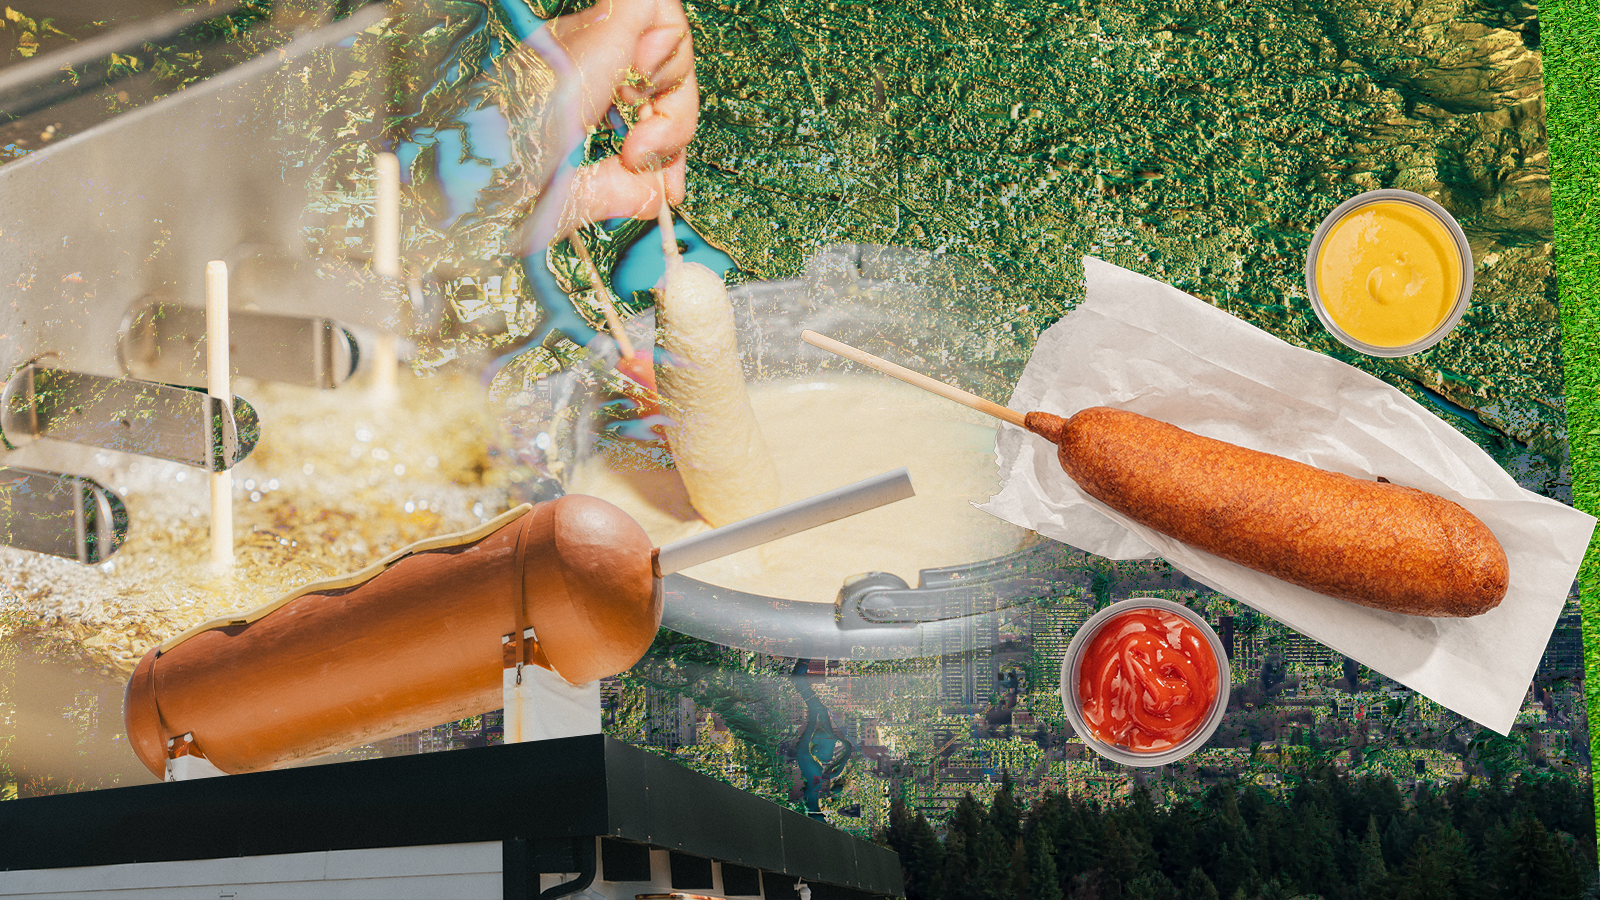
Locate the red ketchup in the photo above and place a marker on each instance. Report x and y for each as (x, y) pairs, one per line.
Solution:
(1147, 680)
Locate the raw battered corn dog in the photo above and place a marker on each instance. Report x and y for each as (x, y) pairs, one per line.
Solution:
(720, 452)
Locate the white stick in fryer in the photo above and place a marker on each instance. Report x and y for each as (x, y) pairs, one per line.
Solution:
(217, 386)
(386, 263)
(386, 217)
(785, 520)
(949, 392)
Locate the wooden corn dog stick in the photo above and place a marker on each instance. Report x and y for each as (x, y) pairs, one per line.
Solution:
(640, 371)
(602, 296)
(914, 378)
(669, 238)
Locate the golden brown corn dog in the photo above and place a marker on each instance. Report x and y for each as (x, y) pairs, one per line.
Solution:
(412, 641)
(1368, 542)
(714, 438)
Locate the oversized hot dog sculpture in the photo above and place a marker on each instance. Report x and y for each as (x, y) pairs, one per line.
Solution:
(416, 638)
(1367, 542)
(409, 642)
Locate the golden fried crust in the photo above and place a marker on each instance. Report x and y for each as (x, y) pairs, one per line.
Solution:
(1373, 543)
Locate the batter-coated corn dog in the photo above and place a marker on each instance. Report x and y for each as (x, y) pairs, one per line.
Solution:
(1368, 542)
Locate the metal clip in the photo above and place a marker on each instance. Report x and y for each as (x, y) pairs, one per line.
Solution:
(164, 421)
(880, 599)
(1047, 569)
(62, 515)
(167, 342)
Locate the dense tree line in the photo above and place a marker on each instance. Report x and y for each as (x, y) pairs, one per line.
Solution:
(1330, 835)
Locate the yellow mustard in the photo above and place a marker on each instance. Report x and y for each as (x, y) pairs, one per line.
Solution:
(1388, 273)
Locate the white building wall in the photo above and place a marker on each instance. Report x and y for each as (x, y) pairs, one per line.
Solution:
(439, 872)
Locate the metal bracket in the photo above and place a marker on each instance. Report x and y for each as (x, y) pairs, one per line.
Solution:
(165, 421)
(62, 515)
(185, 762)
(166, 342)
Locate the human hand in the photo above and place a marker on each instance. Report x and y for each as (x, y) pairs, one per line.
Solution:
(638, 54)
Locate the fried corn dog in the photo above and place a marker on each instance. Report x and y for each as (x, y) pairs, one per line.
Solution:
(1377, 544)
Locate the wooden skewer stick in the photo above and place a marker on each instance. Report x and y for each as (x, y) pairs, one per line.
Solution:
(669, 238)
(915, 378)
(217, 386)
(602, 296)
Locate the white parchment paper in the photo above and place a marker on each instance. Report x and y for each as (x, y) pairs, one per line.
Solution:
(1144, 346)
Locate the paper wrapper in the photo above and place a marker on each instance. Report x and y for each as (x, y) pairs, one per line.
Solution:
(1143, 346)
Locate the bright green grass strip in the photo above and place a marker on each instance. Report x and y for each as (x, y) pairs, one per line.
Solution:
(1571, 49)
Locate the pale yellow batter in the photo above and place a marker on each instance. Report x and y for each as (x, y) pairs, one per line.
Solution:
(823, 435)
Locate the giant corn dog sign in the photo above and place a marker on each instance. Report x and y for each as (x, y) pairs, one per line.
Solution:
(1066, 206)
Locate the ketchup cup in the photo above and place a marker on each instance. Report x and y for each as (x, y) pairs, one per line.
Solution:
(1145, 682)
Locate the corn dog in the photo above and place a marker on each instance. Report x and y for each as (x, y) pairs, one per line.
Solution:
(1367, 542)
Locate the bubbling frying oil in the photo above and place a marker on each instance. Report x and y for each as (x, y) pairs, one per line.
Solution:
(336, 482)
